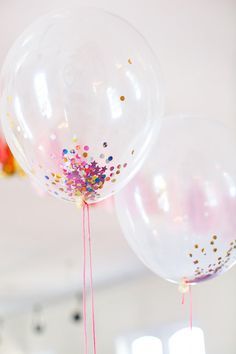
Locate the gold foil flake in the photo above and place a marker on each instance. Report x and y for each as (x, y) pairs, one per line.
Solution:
(221, 262)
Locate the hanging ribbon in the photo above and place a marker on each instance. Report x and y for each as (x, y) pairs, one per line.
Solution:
(191, 307)
(185, 288)
(87, 253)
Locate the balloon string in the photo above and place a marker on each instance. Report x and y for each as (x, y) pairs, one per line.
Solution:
(191, 307)
(91, 282)
(84, 283)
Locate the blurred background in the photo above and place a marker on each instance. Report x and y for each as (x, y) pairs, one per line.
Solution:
(40, 238)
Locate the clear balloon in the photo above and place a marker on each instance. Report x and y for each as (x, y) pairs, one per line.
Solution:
(81, 101)
(178, 213)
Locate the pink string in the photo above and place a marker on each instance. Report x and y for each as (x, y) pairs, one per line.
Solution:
(84, 283)
(183, 299)
(87, 242)
(91, 283)
(191, 307)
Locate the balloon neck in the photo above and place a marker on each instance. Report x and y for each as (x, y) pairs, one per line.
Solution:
(184, 286)
(80, 201)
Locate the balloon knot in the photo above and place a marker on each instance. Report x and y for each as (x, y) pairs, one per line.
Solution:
(80, 201)
(184, 286)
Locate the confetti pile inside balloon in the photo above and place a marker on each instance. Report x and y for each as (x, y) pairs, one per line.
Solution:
(220, 263)
(83, 176)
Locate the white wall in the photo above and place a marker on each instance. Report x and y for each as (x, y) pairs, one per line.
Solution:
(142, 303)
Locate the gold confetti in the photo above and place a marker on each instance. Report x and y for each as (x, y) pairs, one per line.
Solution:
(221, 261)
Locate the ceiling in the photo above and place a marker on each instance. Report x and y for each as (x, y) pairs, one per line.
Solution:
(40, 237)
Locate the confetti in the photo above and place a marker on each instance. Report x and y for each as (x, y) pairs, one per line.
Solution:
(81, 175)
(213, 268)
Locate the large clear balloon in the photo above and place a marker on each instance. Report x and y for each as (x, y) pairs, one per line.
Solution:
(178, 214)
(81, 98)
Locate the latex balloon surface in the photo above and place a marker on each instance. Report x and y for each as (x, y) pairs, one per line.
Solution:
(178, 214)
(81, 100)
